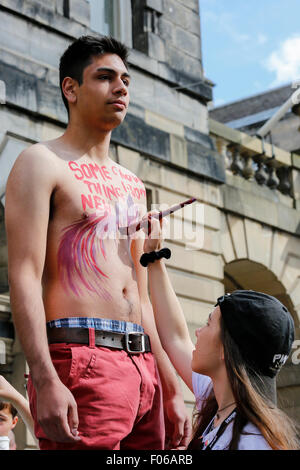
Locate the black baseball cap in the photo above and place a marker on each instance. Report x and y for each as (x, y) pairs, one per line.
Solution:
(262, 328)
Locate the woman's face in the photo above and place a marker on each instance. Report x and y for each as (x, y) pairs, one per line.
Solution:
(209, 353)
(7, 422)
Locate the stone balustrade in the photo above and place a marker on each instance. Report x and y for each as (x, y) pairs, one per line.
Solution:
(252, 159)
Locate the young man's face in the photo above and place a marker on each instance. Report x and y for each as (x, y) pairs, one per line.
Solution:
(103, 97)
(7, 422)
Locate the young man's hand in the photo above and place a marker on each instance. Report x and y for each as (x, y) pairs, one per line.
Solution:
(57, 411)
(177, 423)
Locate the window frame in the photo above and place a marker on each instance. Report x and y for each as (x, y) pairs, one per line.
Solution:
(121, 27)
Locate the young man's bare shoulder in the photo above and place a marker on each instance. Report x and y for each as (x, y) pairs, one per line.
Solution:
(38, 154)
(37, 158)
(35, 165)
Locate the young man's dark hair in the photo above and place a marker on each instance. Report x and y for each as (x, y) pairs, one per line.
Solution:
(80, 54)
(8, 406)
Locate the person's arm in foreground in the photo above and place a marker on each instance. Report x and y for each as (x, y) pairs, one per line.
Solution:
(29, 188)
(169, 317)
(9, 394)
(178, 427)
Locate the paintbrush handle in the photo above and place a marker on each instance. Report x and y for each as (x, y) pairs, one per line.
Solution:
(164, 213)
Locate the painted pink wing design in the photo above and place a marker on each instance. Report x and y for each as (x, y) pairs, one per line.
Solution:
(83, 241)
(77, 255)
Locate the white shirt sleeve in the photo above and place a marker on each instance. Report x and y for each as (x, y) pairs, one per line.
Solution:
(202, 386)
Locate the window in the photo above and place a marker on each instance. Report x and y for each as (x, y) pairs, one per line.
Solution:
(66, 8)
(112, 18)
(149, 198)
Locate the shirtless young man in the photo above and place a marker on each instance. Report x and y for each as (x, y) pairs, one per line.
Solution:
(64, 197)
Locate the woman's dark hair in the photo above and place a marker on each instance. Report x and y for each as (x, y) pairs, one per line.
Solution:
(252, 405)
(80, 54)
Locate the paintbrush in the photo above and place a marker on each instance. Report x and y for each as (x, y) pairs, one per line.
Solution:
(135, 227)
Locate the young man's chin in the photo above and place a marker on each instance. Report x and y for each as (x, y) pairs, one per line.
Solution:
(115, 120)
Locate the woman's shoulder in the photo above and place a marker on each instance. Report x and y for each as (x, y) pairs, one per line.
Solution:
(202, 386)
(252, 439)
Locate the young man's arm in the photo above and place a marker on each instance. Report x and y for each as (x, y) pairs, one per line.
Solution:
(29, 188)
(178, 428)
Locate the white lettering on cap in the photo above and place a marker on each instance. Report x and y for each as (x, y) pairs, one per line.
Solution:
(279, 360)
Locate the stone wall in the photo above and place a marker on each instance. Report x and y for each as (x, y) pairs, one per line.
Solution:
(169, 31)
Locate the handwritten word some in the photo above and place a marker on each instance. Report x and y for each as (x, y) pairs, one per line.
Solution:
(91, 170)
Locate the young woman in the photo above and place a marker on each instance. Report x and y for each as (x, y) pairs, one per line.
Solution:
(232, 368)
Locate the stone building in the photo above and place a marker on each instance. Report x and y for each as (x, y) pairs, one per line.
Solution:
(251, 223)
(249, 114)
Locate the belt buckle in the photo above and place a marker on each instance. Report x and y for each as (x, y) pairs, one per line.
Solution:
(128, 341)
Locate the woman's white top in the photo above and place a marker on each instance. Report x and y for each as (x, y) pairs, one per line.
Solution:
(251, 437)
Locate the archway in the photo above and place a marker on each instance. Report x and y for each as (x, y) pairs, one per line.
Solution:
(246, 274)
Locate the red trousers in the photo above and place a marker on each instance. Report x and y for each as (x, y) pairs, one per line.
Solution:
(118, 396)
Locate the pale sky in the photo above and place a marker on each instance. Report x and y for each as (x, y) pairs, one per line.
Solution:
(249, 46)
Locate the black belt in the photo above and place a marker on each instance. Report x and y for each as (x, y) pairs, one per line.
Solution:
(132, 342)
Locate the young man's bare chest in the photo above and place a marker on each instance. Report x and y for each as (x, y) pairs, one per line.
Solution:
(87, 257)
(86, 187)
